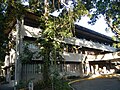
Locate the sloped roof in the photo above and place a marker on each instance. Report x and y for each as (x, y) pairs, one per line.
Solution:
(82, 32)
(30, 19)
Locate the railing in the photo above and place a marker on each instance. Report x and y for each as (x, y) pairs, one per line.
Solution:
(89, 44)
(31, 71)
(109, 56)
(73, 57)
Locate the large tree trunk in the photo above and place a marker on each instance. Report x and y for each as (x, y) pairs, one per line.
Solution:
(46, 77)
(46, 68)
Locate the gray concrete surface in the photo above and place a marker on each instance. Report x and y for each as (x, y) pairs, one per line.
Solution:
(6, 87)
(98, 84)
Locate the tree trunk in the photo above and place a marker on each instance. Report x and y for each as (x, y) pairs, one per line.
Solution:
(46, 68)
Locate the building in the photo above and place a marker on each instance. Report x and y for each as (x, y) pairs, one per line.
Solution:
(87, 53)
(90, 50)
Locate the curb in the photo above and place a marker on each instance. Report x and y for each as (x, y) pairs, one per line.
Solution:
(74, 81)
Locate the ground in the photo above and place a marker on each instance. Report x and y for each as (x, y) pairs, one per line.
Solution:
(97, 84)
(6, 87)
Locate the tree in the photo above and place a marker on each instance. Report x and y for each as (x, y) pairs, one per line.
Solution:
(109, 9)
(56, 28)
(3, 37)
(8, 14)
(111, 12)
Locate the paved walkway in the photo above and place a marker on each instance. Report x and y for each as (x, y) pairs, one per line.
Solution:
(97, 84)
(6, 87)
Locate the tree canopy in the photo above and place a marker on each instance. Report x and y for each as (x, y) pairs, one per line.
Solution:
(10, 10)
(55, 27)
(110, 10)
(3, 37)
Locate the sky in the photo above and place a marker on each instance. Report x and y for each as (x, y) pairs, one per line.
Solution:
(99, 26)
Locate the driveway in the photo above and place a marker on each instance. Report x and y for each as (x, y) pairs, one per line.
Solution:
(98, 84)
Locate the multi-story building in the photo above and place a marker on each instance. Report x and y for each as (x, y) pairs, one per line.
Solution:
(91, 51)
(88, 53)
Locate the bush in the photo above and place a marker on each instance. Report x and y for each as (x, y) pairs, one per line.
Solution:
(117, 72)
(40, 85)
(2, 78)
(58, 84)
(73, 77)
(22, 85)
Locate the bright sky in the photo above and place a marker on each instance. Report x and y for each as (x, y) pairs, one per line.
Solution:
(99, 26)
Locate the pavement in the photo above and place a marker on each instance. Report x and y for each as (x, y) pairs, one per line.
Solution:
(102, 82)
(6, 86)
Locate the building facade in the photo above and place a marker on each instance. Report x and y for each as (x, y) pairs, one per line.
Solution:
(86, 54)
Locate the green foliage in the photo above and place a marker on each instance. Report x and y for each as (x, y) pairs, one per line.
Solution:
(59, 84)
(40, 85)
(54, 29)
(22, 85)
(26, 55)
(8, 13)
(111, 12)
(2, 79)
(3, 38)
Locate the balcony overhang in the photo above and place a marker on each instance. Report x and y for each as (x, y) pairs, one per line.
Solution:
(72, 57)
(89, 44)
(104, 57)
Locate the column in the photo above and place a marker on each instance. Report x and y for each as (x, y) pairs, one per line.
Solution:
(18, 65)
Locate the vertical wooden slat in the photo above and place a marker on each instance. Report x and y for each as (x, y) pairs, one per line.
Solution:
(29, 71)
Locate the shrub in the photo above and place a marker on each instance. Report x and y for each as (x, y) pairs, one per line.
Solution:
(2, 78)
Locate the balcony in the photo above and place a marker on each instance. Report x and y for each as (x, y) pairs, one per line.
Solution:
(89, 44)
(72, 57)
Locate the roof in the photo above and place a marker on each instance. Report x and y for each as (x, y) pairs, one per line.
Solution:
(31, 19)
(82, 32)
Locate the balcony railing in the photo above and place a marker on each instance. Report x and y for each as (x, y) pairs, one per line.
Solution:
(73, 57)
(89, 44)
